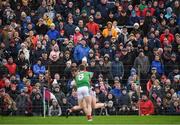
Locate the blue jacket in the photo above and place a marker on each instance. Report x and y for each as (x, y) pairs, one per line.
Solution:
(159, 66)
(117, 69)
(38, 69)
(80, 52)
(69, 29)
(53, 34)
(116, 92)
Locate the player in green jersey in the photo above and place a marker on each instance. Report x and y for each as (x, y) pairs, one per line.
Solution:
(94, 103)
(82, 79)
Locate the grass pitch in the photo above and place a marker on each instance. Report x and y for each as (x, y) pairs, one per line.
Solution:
(143, 120)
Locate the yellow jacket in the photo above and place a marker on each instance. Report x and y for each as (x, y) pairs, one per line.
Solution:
(106, 32)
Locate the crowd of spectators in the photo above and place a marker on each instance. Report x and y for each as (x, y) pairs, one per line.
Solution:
(136, 66)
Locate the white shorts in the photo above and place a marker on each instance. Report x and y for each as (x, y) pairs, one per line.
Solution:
(92, 93)
(83, 92)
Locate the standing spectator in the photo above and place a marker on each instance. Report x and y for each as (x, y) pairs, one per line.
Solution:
(93, 67)
(24, 49)
(142, 63)
(37, 52)
(166, 36)
(11, 66)
(158, 64)
(53, 33)
(8, 105)
(109, 31)
(22, 64)
(174, 72)
(41, 28)
(92, 26)
(107, 50)
(22, 103)
(107, 68)
(142, 5)
(69, 27)
(55, 53)
(103, 8)
(87, 7)
(42, 9)
(117, 68)
(123, 37)
(176, 10)
(149, 8)
(146, 106)
(172, 62)
(80, 51)
(13, 93)
(77, 36)
(38, 68)
(168, 13)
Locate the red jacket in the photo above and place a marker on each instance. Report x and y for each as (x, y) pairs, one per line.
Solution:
(93, 27)
(77, 37)
(11, 68)
(149, 85)
(170, 38)
(2, 83)
(146, 107)
(152, 10)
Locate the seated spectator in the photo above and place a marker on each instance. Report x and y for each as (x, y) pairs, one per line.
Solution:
(112, 104)
(157, 63)
(146, 106)
(100, 93)
(38, 68)
(58, 94)
(54, 54)
(53, 33)
(175, 83)
(8, 104)
(124, 101)
(150, 83)
(55, 109)
(109, 31)
(37, 105)
(64, 106)
(116, 91)
(174, 72)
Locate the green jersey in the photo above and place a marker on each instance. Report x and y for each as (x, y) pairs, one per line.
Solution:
(83, 79)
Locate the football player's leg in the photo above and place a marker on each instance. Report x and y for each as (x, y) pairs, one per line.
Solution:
(96, 105)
